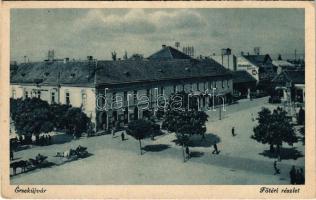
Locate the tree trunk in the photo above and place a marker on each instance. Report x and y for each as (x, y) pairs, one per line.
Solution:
(278, 152)
(36, 139)
(271, 148)
(140, 147)
(203, 136)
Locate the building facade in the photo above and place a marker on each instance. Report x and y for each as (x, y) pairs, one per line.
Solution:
(118, 91)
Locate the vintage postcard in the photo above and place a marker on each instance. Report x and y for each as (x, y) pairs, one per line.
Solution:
(158, 100)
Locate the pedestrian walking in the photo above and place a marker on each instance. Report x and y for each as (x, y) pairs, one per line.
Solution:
(123, 136)
(293, 175)
(22, 141)
(113, 132)
(252, 118)
(49, 139)
(215, 149)
(41, 142)
(298, 177)
(187, 151)
(276, 169)
(302, 176)
(33, 139)
(11, 155)
(45, 140)
(233, 131)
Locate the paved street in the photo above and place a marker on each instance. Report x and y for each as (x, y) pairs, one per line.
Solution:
(241, 160)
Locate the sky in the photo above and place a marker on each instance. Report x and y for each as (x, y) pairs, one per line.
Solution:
(78, 33)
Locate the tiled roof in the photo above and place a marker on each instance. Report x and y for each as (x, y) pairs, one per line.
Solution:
(168, 53)
(258, 59)
(126, 71)
(295, 76)
(282, 63)
(78, 73)
(242, 77)
(89, 73)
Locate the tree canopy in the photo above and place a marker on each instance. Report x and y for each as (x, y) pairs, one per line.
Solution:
(185, 123)
(140, 129)
(31, 116)
(274, 128)
(35, 116)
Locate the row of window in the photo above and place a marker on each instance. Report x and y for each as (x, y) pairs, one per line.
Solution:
(212, 84)
(53, 96)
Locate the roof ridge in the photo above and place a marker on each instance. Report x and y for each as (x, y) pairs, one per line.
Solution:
(170, 52)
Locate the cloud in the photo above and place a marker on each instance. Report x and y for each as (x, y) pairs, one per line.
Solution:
(80, 32)
(137, 21)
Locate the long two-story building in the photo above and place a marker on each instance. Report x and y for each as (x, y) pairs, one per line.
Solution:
(122, 90)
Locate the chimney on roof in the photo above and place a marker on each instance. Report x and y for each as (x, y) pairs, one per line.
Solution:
(234, 63)
(66, 60)
(163, 46)
(51, 55)
(256, 50)
(113, 55)
(177, 44)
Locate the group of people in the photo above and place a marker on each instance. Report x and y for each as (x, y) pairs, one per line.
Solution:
(43, 140)
(297, 176)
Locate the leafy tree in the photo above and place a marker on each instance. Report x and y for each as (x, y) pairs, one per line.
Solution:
(274, 129)
(185, 124)
(60, 111)
(31, 116)
(140, 129)
(76, 121)
(183, 98)
(35, 116)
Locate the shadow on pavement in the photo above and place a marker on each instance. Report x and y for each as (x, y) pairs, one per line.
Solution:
(22, 147)
(209, 140)
(196, 154)
(156, 147)
(286, 153)
(61, 138)
(198, 141)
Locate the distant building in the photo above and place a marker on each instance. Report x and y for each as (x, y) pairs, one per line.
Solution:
(283, 65)
(168, 53)
(228, 61)
(243, 84)
(259, 66)
(119, 91)
(290, 85)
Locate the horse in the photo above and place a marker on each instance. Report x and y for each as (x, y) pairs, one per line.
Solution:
(23, 164)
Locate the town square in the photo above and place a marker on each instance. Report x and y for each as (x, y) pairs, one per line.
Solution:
(157, 97)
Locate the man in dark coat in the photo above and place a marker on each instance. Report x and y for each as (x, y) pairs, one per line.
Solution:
(49, 139)
(187, 151)
(293, 175)
(11, 155)
(301, 176)
(215, 149)
(233, 131)
(276, 169)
